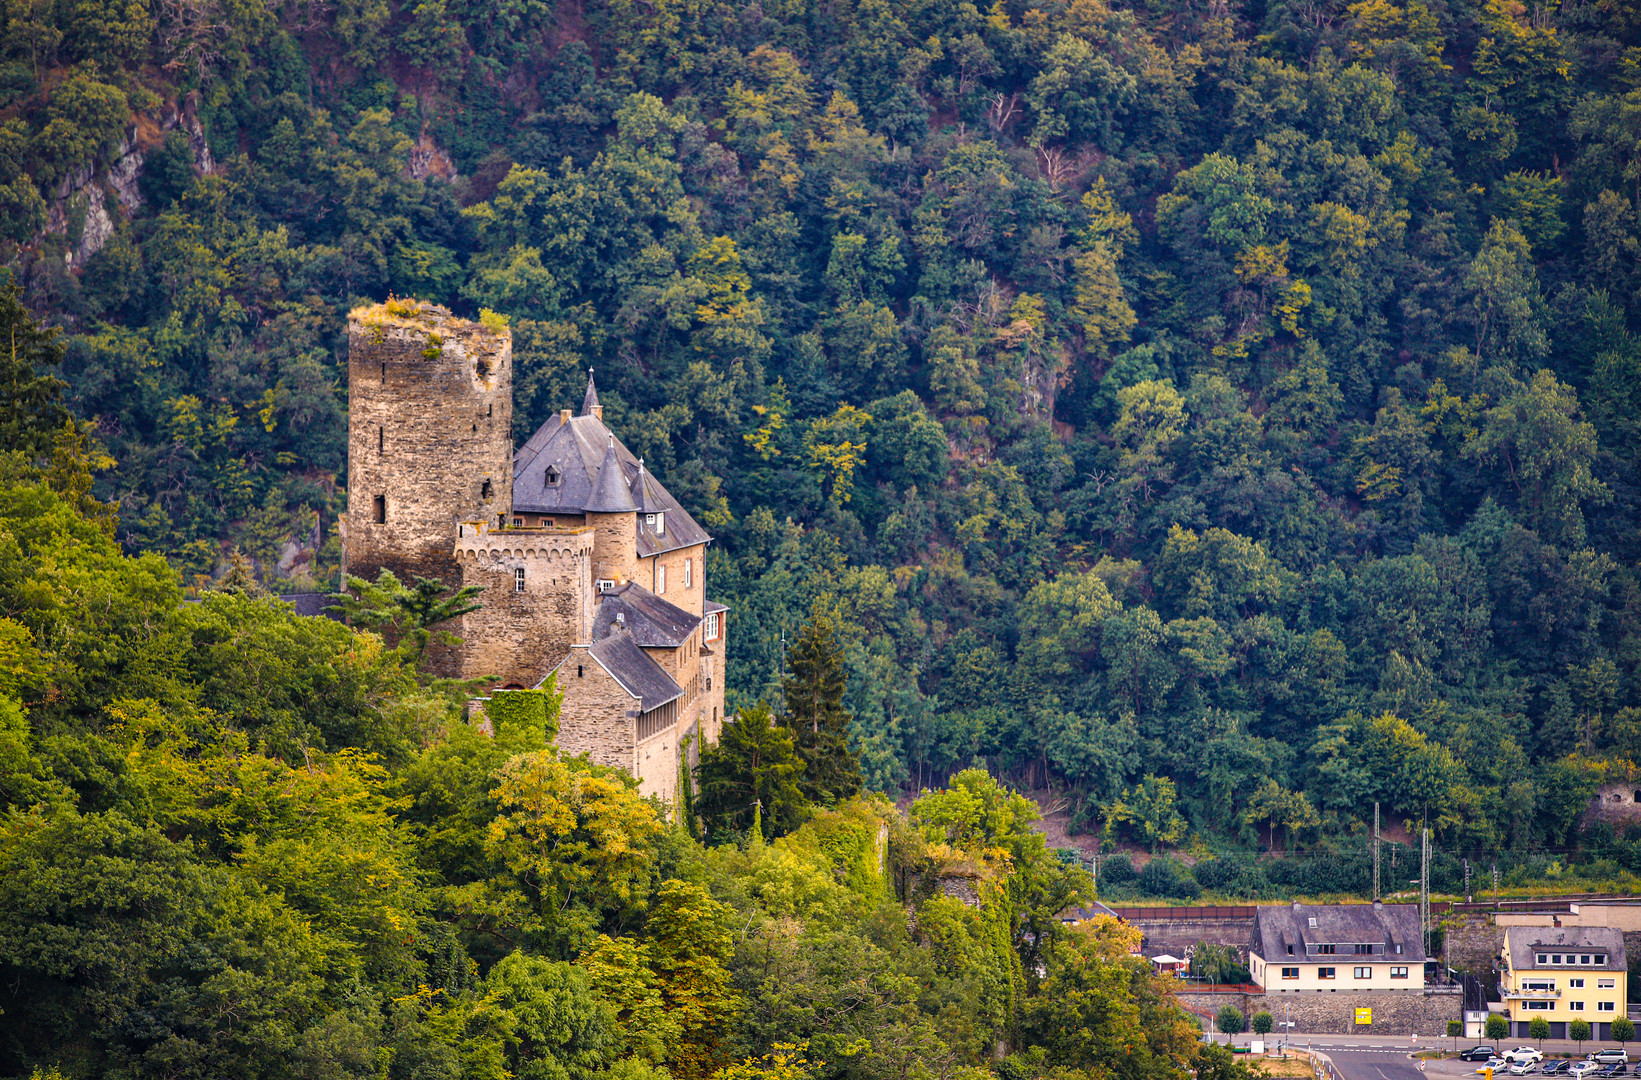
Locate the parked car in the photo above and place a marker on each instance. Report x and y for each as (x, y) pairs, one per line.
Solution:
(1579, 1069)
(1617, 1068)
(1523, 1053)
(1558, 1067)
(1610, 1055)
(1478, 1053)
(1523, 1068)
(1496, 1064)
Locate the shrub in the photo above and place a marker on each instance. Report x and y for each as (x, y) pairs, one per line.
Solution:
(1168, 877)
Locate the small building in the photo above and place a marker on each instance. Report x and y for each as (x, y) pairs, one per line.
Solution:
(1164, 964)
(1563, 973)
(1337, 947)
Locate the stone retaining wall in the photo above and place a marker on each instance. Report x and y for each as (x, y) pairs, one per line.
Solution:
(1395, 1012)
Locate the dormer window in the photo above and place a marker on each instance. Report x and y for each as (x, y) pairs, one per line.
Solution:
(656, 523)
(552, 476)
(1312, 921)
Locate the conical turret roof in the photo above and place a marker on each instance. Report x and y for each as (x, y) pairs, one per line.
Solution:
(646, 492)
(610, 493)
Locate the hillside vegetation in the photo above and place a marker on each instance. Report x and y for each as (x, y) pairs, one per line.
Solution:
(1223, 414)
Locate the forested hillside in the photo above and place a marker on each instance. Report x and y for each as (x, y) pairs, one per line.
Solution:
(1226, 414)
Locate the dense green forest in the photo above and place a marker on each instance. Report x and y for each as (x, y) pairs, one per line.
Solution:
(1223, 415)
(237, 842)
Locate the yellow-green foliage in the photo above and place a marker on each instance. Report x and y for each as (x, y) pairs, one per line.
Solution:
(494, 321)
(435, 345)
(516, 712)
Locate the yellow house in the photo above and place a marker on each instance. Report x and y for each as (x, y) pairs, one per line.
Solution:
(1563, 973)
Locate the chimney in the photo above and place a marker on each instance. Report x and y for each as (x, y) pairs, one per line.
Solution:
(1296, 905)
(1377, 904)
(564, 416)
(598, 412)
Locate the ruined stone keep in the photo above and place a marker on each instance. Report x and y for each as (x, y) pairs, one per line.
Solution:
(590, 569)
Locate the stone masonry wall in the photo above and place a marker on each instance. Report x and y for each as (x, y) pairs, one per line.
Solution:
(1178, 937)
(518, 637)
(615, 557)
(430, 412)
(656, 761)
(1473, 943)
(1395, 1012)
(597, 715)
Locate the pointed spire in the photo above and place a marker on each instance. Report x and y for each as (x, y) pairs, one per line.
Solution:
(610, 494)
(589, 404)
(644, 492)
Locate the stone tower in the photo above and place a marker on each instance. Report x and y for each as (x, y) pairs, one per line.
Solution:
(430, 413)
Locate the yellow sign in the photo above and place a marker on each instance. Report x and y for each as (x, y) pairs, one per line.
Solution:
(1364, 1016)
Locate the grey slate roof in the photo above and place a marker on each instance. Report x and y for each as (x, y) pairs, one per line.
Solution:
(653, 622)
(610, 492)
(713, 607)
(590, 402)
(632, 667)
(576, 450)
(1343, 925)
(1526, 942)
(646, 492)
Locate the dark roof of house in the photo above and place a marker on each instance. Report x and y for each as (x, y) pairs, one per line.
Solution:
(312, 604)
(713, 607)
(576, 449)
(1275, 928)
(1526, 942)
(632, 667)
(653, 622)
(590, 402)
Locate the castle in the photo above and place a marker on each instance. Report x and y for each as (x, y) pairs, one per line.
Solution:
(588, 567)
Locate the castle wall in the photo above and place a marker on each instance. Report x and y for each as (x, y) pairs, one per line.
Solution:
(597, 716)
(518, 637)
(430, 412)
(692, 598)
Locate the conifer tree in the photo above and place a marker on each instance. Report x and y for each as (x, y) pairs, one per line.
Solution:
(816, 714)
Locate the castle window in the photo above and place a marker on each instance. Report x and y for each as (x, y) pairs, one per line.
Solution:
(381, 439)
(518, 579)
(578, 671)
(689, 567)
(605, 584)
(660, 579)
(518, 523)
(484, 492)
(552, 476)
(381, 509)
(490, 410)
(384, 372)
(710, 633)
(657, 522)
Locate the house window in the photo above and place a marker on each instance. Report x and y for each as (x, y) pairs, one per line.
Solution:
(1325, 950)
(711, 631)
(1290, 973)
(1604, 1006)
(689, 572)
(1600, 959)
(657, 523)
(518, 579)
(1543, 958)
(1539, 1006)
(1606, 984)
(1538, 984)
(1290, 950)
(518, 523)
(1575, 1006)
(1364, 950)
(1576, 984)
(1312, 922)
(1398, 950)
(605, 584)
(660, 579)
(380, 509)
(1364, 973)
(1324, 973)
(1398, 973)
(1555, 958)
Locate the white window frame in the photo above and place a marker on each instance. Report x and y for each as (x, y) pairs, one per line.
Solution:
(1575, 984)
(1539, 1006)
(689, 572)
(1606, 984)
(1575, 1006)
(1398, 973)
(1606, 1006)
(518, 579)
(1543, 958)
(605, 584)
(710, 632)
(1364, 973)
(660, 579)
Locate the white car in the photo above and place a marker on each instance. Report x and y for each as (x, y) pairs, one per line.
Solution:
(1523, 1068)
(1495, 1064)
(1582, 1068)
(1524, 1053)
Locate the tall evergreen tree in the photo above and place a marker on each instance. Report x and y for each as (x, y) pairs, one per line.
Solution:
(753, 766)
(31, 403)
(816, 714)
